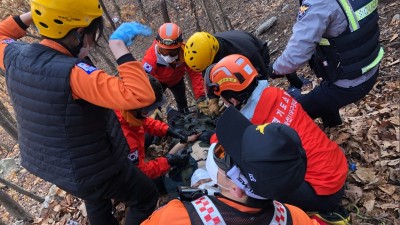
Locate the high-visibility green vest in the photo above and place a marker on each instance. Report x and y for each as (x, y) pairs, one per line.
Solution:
(357, 50)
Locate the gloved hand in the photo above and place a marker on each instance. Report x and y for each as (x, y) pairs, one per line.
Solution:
(270, 72)
(213, 106)
(294, 80)
(202, 105)
(179, 160)
(172, 133)
(128, 31)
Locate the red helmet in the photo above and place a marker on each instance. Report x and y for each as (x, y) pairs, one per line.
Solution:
(169, 36)
(234, 72)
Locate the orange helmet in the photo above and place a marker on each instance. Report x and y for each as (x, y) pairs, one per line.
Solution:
(169, 36)
(233, 72)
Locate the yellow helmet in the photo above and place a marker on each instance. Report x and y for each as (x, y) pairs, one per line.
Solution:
(54, 19)
(200, 50)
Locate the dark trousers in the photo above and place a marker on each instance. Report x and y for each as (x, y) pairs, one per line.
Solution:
(306, 199)
(131, 187)
(179, 92)
(326, 99)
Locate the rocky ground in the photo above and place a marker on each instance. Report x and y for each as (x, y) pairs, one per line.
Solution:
(369, 135)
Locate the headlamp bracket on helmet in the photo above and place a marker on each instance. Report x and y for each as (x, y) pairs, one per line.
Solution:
(211, 87)
(169, 42)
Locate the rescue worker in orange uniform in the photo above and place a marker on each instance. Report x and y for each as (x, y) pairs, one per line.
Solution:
(164, 60)
(136, 122)
(233, 78)
(246, 189)
(67, 133)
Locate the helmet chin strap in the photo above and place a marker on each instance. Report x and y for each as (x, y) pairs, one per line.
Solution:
(75, 50)
(239, 105)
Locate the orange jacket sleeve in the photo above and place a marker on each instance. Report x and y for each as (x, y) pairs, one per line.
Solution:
(158, 166)
(129, 91)
(174, 213)
(134, 135)
(9, 30)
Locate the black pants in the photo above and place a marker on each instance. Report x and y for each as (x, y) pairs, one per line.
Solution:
(179, 92)
(326, 99)
(306, 199)
(131, 187)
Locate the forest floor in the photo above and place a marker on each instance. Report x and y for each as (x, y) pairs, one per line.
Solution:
(369, 135)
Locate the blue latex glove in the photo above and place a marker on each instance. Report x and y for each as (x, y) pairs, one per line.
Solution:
(128, 31)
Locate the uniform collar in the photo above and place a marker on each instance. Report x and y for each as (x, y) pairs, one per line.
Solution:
(237, 205)
(248, 109)
(56, 46)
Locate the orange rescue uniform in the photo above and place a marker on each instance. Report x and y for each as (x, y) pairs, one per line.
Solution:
(175, 213)
(130, 90)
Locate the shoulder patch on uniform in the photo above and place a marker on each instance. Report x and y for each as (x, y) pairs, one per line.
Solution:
(86, 67)
(147, 67)
(7, 41)
(133, 156)
(303, 10)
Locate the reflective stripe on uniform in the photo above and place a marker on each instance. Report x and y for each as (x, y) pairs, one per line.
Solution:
(350, 14)
(280, 214)
(324, 42)
(207, 211)
(210, 215)
(374, 63)
(366, 10)
(354, 17)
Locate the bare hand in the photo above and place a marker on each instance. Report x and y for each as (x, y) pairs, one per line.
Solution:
(193, 137)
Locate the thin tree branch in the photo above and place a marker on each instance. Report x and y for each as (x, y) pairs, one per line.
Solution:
(196, 16)
(225, 19)
(164, 11)
(117, 8)
(7, 122)
(107, 14)
(141, 7)
(21, 190)
(14, 208)
(210, 16)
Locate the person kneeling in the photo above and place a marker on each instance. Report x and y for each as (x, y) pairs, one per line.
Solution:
(245, 177)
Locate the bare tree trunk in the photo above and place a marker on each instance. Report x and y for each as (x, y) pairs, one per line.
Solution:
(14, 208)
(8, 115)
(196, 17)
(106, 59)
(173, 5)
(164, 11)
(225, 19)
(107, 14)
(141, 7)
(117, 8)
(7, 122)
(214, 25)
(21, 190)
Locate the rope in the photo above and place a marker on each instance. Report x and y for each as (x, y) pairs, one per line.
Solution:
(357, 212)
(341, 217)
